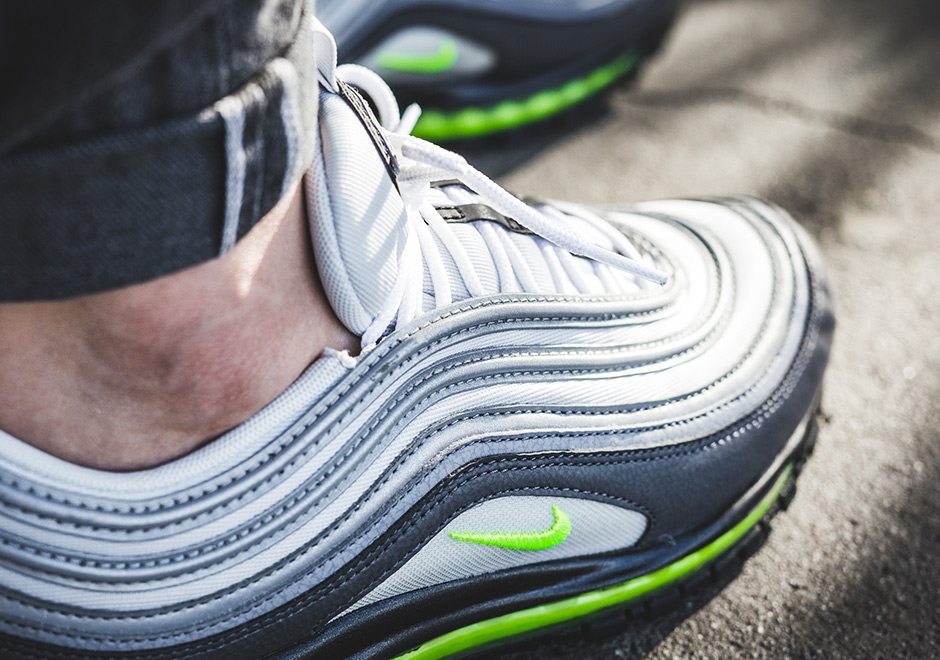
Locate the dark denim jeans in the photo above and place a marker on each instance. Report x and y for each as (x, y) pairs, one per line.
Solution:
(139, 138)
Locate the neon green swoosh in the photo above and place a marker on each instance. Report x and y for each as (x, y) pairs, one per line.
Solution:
(443, 59)
(540, 616)
(549, 538)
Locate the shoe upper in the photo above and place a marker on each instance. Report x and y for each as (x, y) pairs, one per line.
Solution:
(639, 390)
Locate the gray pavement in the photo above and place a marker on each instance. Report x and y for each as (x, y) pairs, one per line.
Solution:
(830, 108)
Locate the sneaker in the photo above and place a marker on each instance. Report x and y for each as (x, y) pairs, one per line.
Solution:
(558, 413)
(485, 66)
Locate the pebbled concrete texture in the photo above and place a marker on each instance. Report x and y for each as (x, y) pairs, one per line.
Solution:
(831, 108)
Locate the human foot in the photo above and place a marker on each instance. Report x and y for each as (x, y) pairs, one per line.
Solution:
(136, 377)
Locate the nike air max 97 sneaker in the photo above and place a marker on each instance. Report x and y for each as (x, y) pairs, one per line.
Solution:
(484, 66)
(558, 412)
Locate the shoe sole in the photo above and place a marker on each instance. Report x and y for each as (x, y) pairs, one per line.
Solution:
(549, 100)
(651, 596)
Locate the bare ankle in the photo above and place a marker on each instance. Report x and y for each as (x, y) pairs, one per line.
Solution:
(133, 378)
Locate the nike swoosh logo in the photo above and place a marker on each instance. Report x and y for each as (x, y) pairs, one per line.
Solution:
(543, 540)
(443, 59)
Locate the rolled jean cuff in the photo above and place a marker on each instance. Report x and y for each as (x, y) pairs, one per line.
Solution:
(130, 206)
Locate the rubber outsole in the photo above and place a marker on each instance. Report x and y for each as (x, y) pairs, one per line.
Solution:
(646, 598)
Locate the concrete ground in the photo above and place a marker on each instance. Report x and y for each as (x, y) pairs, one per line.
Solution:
(830, 108)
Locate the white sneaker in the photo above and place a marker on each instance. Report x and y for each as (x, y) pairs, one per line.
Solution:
(558, 413)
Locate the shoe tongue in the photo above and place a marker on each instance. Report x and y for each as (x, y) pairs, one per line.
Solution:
(357, 218)
(358, 223)
(359, 227)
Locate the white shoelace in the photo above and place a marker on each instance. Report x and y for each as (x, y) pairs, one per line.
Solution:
(421, 163)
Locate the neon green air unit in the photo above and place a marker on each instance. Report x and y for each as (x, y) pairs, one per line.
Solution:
(474, 122)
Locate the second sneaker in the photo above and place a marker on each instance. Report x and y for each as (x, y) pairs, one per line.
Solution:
(484, 66)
